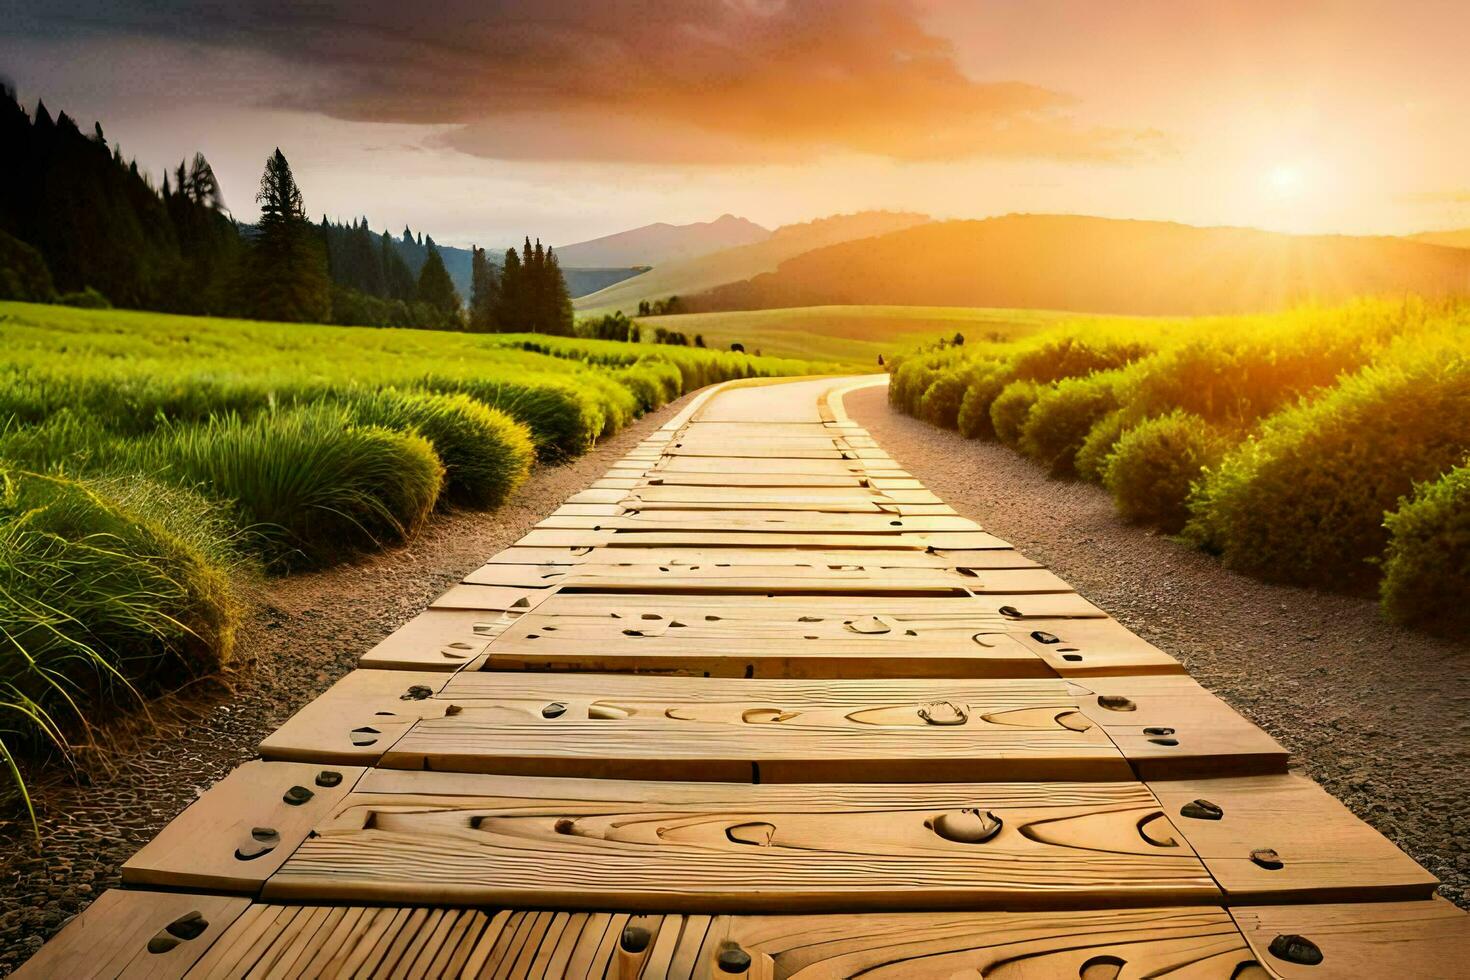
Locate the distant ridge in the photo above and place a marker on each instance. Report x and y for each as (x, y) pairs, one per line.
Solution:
(1102, 265)
(1455, 238)
(656, 243)
(682, 277)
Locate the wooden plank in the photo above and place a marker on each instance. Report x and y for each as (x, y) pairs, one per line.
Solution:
(1169, 727)
(664, 478)
(804, 522)
(242, 829)
(773, 731)
(770, 636)
(1282, 838)
(437, 639)
(1084, 648)
(135, 934)
(712, 847)
(1199, 943)
(658, 538)
(358, 718)
(792, 578)
(978, 559)
(488, 598)
(1426, 940)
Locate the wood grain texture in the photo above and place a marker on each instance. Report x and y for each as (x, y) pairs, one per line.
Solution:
(1197, 943)
(111, 938)
(1325, 854)
(358, 718)
(241, 830)
(757, 731)
(710, 847)
(437, 640)
(663, 538)
(843, 579)
(1426, 940)
(981, 559)
(1171, 728)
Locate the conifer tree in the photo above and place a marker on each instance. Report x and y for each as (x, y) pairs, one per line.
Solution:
(559, 318)
(286, 270)
(435, 287)
(508, 315)
(485, 292)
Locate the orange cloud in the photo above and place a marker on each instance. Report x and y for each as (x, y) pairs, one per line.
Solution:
(657, 80)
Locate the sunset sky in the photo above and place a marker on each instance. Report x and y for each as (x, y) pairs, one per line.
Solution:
(481, 121)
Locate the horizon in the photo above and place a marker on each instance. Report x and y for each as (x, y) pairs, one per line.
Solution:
(1337, 117)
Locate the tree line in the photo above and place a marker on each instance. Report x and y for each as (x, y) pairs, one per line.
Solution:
(81, 225)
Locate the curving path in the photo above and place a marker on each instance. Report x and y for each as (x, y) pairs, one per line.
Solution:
(757, 704)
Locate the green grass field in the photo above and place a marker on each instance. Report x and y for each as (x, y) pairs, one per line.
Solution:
(853, 335)
(151, 463)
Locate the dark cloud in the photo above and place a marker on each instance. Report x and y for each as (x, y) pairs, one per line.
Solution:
(657, 80)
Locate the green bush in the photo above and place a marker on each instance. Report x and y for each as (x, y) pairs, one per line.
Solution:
(1304, 502)
(940, 403)
(1063, 416)
(308, 486)
(486, 454)
(1154, 465)
(23, 272)
(1010, 409)
(1426, 569)
(1074, 357)
(1091, 463)
(105, 586)
(565, 421)
(986, 385)
(85, 299)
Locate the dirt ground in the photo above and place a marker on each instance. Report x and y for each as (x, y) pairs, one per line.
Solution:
(1373, 712)
(307, 631)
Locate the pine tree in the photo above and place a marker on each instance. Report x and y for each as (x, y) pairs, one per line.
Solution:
(286, 271)
(509, 315)
(398, 280)
(485, 297)
(436, 288)
(558, 310)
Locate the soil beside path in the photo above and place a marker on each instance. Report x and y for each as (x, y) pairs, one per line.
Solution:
(1378, 715)
(306, 632)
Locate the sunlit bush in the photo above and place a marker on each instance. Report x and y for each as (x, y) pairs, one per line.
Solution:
(1426, 569)
(1154, 465)
(1011, 407)
(1304, 502)
(1062, 417)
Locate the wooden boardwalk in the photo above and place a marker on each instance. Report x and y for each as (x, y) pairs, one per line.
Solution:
(757, 704)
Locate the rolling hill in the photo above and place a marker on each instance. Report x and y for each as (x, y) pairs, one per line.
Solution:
(1456, 238)
(682, 277)
(1068, 262)
(656, 243)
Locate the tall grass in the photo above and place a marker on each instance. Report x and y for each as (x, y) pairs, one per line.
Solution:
(307, 486)
(100, 594)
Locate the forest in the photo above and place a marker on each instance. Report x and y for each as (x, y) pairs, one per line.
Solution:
(82, 226)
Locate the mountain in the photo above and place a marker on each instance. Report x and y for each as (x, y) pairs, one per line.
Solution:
(1101, 265)
(1458, 238)
(682, 277)
(653, 244)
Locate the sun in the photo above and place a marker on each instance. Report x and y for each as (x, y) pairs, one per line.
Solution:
(1285, 179)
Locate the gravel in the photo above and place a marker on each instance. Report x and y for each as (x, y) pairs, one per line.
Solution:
(306, 632)
(1373, 712)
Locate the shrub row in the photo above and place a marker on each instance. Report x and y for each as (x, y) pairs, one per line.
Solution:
(1290, 444)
